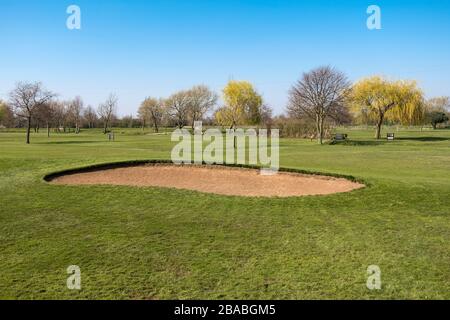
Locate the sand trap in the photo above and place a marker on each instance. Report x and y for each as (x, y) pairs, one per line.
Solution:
(213, 179)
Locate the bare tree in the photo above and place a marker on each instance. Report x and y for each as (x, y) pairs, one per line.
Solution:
(107, 110)
(143, 114)
(439, 104)
(341, 115)
(60, 114)
(46, 114)
(151, 109)
(126, 121)
(90, 116)
(75, 108)
(26, 98)
(201, 100)
(178, 107)
(266, 116)
(319, 94)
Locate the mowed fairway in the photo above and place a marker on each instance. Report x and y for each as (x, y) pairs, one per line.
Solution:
(157, 243)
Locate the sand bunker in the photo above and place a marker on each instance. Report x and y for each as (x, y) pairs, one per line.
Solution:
(213, 179)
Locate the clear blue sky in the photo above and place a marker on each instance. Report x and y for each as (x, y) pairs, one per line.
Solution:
(154, 47)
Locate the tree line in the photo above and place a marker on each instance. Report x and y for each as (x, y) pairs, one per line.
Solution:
(33, 107)
(320, 100)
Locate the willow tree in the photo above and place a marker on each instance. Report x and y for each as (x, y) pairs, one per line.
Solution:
(242, 105)
(381, 99)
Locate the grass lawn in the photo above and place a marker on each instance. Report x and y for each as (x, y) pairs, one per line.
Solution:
(156, 243)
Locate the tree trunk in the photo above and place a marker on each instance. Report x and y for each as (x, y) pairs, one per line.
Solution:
(379, 124)
(156, 127)
(48, 130)
(318, 129)
(105, 127)
(234, 137)
(321, 130)
(28, 129)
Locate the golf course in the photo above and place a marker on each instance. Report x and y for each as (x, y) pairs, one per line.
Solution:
(148, 242)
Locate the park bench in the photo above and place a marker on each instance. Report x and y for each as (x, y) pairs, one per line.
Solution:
(390, 137)
(340, 137)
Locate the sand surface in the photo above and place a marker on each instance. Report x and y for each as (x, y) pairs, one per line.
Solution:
(214, 179)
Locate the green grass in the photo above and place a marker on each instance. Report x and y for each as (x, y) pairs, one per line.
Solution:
(156, 243)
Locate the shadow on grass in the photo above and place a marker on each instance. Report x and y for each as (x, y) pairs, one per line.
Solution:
(70, 142)
(358, 143)
(425, 139)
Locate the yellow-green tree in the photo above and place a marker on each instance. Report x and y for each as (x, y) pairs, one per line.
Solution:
(382, 100)
(242, 105)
